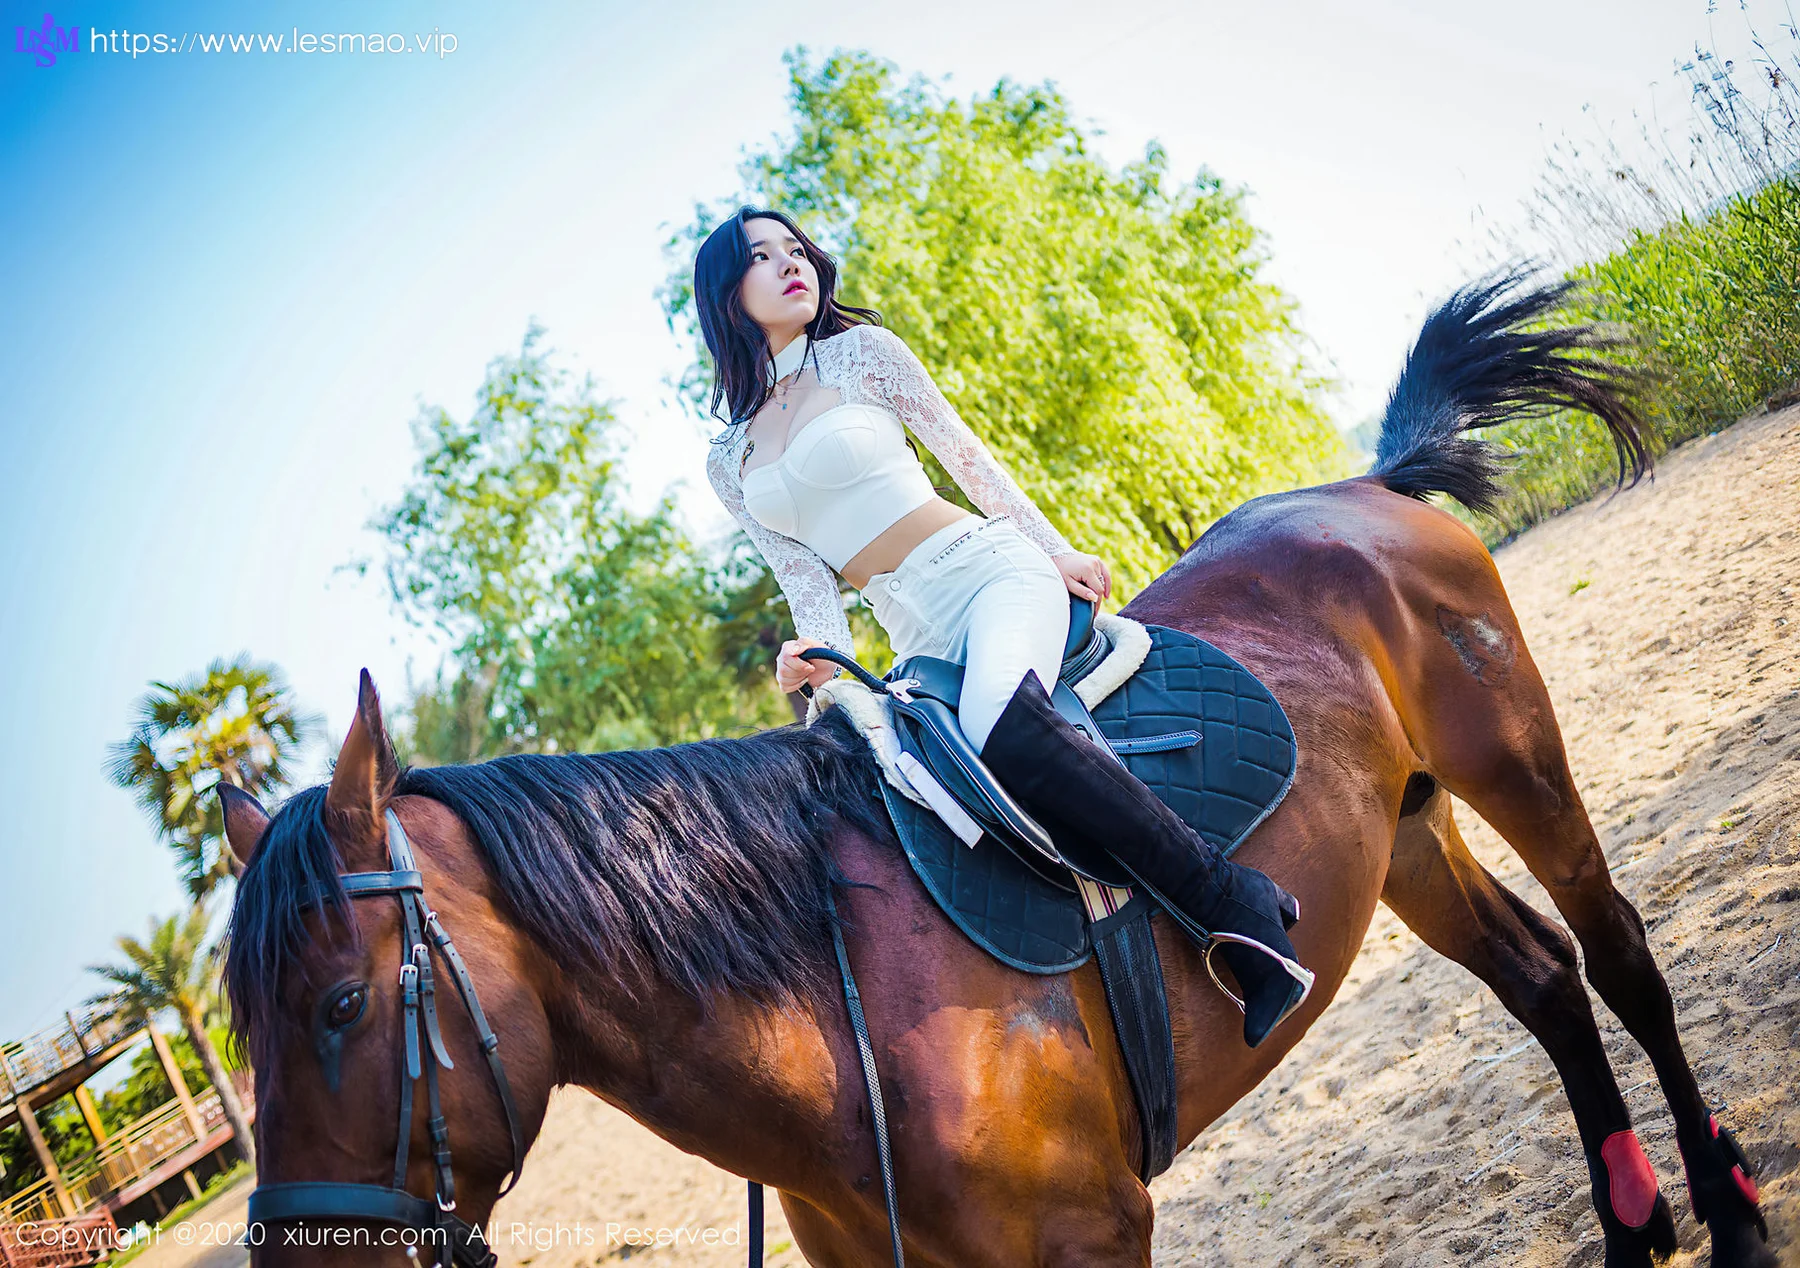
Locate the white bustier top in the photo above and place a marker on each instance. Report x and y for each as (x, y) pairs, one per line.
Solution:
(847, 474)
(844, 479)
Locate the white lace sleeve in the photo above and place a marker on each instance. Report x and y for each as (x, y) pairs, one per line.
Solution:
(806, 580)
(891, 375)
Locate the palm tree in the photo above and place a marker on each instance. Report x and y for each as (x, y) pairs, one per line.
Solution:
(175, 971)
(236, 721)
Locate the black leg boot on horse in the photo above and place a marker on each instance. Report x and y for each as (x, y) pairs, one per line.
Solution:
(1069, 785)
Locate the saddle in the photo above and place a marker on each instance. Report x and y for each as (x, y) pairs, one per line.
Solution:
(924, 691)
(1188, 720)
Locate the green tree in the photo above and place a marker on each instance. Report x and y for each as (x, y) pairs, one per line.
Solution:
(147, 1088)
(64, 1131)
(448, 720)
(576, 624)
(175, 971)
(1110, 337)
(236, 721)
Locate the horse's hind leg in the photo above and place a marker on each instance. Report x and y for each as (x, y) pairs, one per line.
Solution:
(1490, 735)
(1457, 907)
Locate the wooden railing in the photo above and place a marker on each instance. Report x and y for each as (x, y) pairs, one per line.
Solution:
(128, 1155)
(41, 1057)
(34, 1202)
(86, 1239)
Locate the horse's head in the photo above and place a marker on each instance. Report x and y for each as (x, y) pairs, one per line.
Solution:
(357, 1006)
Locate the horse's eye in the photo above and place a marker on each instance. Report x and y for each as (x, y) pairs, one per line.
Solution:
(348, 1007)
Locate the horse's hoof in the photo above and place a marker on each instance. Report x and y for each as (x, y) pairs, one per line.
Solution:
(1661, 1229)
(1639, 1247)
(1732, 1208)
(1742, 1248)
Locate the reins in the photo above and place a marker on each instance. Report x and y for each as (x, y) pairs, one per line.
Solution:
(865, 1050)
(865, 1053)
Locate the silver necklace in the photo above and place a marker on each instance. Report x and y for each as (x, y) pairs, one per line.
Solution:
(781, 386)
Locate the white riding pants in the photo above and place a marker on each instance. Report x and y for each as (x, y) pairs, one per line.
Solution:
(981, 594)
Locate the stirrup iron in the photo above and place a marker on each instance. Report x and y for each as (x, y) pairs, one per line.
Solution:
(1293, 968)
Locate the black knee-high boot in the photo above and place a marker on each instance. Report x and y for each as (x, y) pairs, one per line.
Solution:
(1068, 784)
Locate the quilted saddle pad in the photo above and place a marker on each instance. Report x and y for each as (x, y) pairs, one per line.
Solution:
(1197, 727)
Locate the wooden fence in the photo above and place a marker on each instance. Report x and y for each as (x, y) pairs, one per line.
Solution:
(71, 1243)
(127, 1157)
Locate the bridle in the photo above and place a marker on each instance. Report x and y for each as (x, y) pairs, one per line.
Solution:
(460, 1244)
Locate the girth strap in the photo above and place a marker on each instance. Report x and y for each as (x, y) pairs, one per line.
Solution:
(1131, 971)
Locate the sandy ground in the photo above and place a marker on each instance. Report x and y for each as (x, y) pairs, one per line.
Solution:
(209, 1237)
(1417, 1124)
(595, 1176)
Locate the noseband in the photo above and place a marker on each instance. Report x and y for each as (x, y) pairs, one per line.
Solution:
(460, 1244)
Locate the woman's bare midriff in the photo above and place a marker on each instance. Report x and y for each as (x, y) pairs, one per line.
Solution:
(897, 540)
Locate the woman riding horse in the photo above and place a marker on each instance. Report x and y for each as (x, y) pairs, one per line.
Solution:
(418, 957)
(817, 468)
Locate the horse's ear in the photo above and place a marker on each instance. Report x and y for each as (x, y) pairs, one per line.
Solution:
(245, 820)
(366, 768)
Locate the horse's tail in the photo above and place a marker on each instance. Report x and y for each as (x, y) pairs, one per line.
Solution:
(1486, 357)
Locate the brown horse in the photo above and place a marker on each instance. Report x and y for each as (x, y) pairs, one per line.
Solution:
(652, 925)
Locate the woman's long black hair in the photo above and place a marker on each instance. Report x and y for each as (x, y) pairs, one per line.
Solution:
(740, 350)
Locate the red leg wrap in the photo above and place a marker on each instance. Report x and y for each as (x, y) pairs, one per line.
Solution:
(1632, 1180)
(1746, 1183)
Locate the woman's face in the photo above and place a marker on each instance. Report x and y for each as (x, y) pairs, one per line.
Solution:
(780, 289)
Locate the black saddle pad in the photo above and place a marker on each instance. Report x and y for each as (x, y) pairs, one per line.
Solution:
(1235, 777)
(1223, 786)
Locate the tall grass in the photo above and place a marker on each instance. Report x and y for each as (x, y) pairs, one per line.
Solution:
(1689, 242)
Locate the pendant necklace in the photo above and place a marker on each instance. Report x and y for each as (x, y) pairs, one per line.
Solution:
(784, 371)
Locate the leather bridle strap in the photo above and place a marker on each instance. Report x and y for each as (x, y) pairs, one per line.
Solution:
(418, 921)
(484, 1034)
(420, 931)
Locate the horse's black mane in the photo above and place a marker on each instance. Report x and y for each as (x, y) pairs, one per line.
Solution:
(705, 865)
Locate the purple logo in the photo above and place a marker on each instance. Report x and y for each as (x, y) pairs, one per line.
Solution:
(47, 41)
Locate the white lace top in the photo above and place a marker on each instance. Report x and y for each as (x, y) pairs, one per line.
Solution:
(871, 365)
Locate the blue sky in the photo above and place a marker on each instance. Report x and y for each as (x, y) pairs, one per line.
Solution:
(232, 280)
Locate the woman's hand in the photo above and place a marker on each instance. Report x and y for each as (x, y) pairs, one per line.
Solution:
(1085, 575)
(791, 670)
